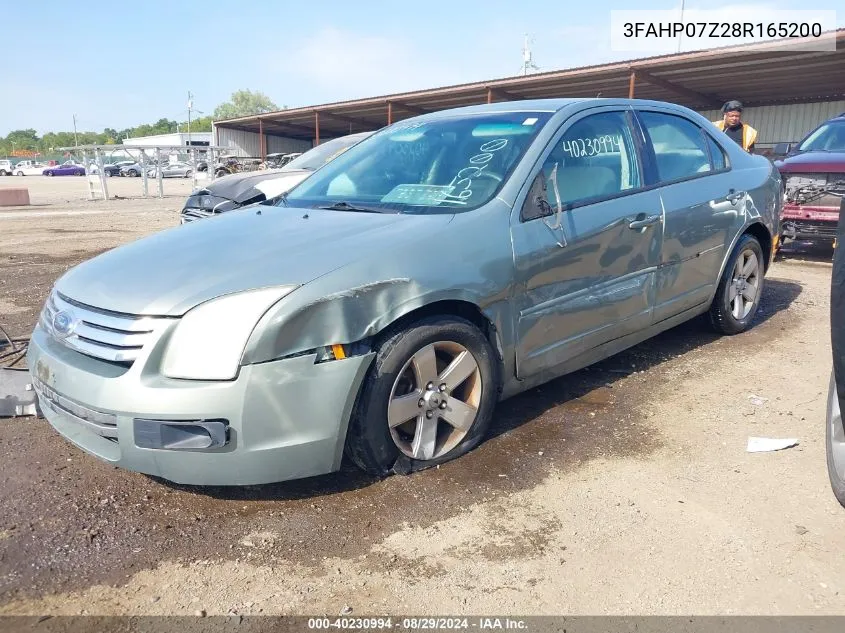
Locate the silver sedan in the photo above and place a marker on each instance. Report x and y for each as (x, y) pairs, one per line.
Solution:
(383, 307)
(172, 170)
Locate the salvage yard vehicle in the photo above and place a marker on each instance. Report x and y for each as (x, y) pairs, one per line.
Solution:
(384, 306)
(171, 170)
(814, 180)
(29, 168)
(238, 190)
(6, 168)
(68, 168)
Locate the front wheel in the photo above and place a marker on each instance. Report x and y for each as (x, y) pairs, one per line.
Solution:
(739, 291)
(835, 443)
(428, 397)
(20, 173)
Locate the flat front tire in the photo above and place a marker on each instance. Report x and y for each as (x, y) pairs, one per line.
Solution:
(427, 398)
(740, 288)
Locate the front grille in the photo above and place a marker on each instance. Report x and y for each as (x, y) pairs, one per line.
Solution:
(808, 229)
(193, 213)
(106, 335)
(103, 424)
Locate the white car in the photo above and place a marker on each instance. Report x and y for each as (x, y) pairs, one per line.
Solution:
(28, 168)
(5, 168)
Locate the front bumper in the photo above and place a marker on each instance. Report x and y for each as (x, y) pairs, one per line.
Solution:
(809, 222)
(285, 419)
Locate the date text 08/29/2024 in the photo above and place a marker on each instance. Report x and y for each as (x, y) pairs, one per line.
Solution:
(417, 624)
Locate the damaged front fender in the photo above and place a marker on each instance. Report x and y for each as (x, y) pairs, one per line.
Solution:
(348, 316)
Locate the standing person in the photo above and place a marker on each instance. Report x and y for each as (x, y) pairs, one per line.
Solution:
(731, 124)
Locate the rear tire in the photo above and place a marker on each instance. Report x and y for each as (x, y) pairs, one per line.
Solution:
(432, 433)
(740, 288)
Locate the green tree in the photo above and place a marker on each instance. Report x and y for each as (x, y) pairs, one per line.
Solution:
(244, 103)
(202, 124)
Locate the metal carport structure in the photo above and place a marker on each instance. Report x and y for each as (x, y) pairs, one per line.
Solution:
(767, 74)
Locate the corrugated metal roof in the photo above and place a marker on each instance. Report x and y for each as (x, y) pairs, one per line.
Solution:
(758, 75)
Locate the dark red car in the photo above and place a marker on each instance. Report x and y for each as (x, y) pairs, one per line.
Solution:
(813, 173)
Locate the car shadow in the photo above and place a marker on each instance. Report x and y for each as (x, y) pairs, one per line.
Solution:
(806, 251)
(778, 295)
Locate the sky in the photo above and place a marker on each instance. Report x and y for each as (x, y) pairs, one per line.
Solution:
(121, 64)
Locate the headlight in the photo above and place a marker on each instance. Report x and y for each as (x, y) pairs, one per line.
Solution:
(210, 339)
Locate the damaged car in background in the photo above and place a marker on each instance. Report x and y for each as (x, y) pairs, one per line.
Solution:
(242, 189)
(814, 183)
(383, 307)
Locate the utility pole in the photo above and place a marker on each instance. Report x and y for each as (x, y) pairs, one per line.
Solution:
(527, 59)
(190, 107)
(681, 36)
(75, 141)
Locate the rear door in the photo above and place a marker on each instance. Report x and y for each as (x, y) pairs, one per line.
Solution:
(702, 204)
(586, 242)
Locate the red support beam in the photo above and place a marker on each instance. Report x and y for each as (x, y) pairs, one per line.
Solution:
(631, 82)
(389, 112)
(316, 128)
(489, 95)
(262, 140)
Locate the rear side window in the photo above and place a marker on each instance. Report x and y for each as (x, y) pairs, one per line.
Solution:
(717, 154)
(679, 146)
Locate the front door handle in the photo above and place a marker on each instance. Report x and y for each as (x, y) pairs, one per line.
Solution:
(643, 221)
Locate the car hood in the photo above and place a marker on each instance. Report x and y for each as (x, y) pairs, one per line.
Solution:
(170, 272)
(245, 186)
(827, 162)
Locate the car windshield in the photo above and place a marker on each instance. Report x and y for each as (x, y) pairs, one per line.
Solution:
(315, 158)
(829, 137)
(418, 166)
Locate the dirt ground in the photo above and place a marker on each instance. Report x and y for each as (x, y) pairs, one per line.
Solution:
(621, 489)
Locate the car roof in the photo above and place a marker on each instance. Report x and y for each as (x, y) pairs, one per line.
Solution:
(545, 105)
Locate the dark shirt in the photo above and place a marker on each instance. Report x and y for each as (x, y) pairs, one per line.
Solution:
(735, 133)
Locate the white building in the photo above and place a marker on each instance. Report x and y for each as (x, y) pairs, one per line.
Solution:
(195, 140)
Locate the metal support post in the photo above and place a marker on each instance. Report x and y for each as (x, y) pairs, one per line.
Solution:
(144, 173)
(102, 172)
(159, 170)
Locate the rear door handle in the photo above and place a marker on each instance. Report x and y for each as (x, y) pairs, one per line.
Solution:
(643, 222)
(734, 196)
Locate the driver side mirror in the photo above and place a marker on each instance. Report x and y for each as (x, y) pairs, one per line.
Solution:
(781, 149)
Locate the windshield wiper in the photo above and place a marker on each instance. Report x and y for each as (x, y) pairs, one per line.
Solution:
(345, 206)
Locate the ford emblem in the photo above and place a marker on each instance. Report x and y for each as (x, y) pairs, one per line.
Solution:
(63, 323)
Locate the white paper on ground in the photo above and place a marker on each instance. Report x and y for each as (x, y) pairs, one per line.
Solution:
(767, 444)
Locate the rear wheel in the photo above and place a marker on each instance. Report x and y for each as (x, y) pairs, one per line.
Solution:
(20, 173)
(738, 294)
(428, 397)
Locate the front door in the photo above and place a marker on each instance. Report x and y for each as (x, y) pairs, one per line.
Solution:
(586, 243)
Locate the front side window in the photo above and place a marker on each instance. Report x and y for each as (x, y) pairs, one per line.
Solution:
(679, 146)
(594, 159)
(448, 164)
